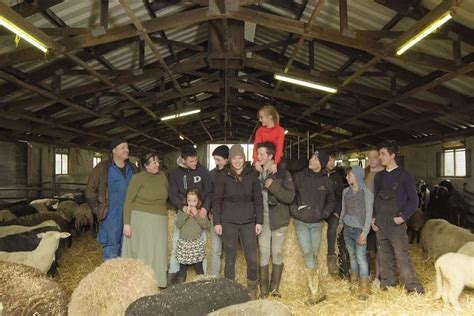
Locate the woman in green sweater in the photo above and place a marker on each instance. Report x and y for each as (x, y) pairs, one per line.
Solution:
(145, 217)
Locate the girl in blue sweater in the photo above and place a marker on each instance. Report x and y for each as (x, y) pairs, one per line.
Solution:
(356, 216)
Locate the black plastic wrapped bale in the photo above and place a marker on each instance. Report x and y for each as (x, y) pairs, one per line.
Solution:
(193, 298)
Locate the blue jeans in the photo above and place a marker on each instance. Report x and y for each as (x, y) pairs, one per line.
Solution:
(309, 238)
(174, 264)
(357, 253)
(216, 251)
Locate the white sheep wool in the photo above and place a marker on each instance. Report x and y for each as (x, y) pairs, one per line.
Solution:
(112, 287)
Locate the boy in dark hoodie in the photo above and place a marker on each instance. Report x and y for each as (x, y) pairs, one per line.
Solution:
(356, 217)
(188, 175)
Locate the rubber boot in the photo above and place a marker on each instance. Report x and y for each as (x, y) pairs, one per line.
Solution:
(354, 282)
(333, 269)
(264, 275)
(277, 270)
(252, 288)
(364, 289)
(314, 283)
(171, 280)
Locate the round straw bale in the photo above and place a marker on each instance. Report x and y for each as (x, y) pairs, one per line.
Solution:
(25, 291)
(112, 287)
(439, 237)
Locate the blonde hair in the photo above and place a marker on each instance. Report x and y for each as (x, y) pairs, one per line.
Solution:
(270, 110)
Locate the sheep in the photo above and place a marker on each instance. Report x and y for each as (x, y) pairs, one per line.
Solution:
(439, 237)
(49, 204)
(42, 257)
(67, 209)
(415, 225)
(16, 229)
(83, 217)
(257, 307)
(35, 219)
(112, 287)
(467, 249)
(21, 208)
(6, 215)
(206, 294)
(454, 271)
(24, 241)
(25, 291)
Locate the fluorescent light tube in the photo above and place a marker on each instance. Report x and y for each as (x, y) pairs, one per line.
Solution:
(24, 35)
(305, 83)
(427, 31)
(170, 117)
(181, 137)
(286, 131)
(353, 159)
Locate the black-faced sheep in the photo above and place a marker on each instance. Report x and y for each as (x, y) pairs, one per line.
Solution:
(195, 298)
(439, 237)
(454, 271)
(415, 225)
(25, 291)
(112, 287)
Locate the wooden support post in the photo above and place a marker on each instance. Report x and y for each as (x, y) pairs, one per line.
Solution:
(457, 52)
(311, 54)
(104, 14)
(343, 15)
(141, 54)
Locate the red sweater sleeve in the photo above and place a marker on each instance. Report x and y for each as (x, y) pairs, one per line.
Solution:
(280, 141)
(258, 139)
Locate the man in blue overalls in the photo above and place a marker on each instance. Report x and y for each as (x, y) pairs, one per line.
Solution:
(106, 191)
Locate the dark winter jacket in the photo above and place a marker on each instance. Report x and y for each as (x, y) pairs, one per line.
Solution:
(283, 189)
(315, 190)
(338, 188)
(214, 172)
(182, 179)
(237, 202)
(96, 191)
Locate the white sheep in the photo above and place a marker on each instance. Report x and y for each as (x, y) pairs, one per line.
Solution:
(17, 229)
(42, 257)
(49, 203)
(112, 287)
(67, 209)
(467, 249)
(454, 271)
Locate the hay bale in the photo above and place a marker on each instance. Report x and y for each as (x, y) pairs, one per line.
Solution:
(192, 298)
(439, 237)
(112, 287)
(467, 249)
(25, 291)
(259, 307)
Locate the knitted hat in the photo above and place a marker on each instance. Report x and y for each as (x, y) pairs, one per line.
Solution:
(116, 141)
(236, 150)
(222, 151)
(322, 156)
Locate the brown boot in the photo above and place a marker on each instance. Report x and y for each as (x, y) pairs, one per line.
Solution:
(332, 265)
(364, 289)
(354, 282)
(264, 281)
(252, 288)
(277, 270)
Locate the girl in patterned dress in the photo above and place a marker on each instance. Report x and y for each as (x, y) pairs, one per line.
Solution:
(191, 246)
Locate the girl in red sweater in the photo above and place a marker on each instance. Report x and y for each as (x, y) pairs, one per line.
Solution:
(270, 131)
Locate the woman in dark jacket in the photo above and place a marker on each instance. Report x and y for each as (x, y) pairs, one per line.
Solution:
(238, 212)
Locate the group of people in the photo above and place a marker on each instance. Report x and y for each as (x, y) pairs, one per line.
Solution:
(253, 204)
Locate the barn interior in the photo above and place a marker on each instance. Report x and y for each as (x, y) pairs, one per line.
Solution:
(173, 73)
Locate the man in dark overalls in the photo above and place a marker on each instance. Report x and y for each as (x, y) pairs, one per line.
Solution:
(395, 202)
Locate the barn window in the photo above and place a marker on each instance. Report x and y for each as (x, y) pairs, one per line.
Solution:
(453, 163)
(95, 160)
(61, 165)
